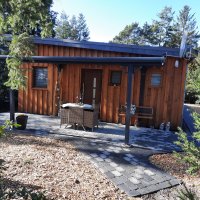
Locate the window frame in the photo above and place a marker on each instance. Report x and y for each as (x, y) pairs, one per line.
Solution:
(161, 79)
(111, 83)
(34, 80)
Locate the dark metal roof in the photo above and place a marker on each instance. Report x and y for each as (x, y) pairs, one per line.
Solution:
(123, 48)
(136, 61)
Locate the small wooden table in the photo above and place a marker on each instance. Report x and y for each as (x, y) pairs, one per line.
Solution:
(73, 114)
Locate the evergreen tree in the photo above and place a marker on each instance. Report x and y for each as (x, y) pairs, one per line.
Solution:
(82, 29)
(162, 28)
(165, 31)
(190, 147)
(63, 28)
(19, 16)
(193, 82)
(74, 29)
(74, 32)
(130, 35)
(186, 22)
(146, 34)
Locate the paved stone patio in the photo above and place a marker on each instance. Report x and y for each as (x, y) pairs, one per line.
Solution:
(127, 167)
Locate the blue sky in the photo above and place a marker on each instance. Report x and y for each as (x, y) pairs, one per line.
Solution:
(106, 18)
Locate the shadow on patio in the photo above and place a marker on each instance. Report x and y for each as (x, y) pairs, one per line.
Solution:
(152, 139)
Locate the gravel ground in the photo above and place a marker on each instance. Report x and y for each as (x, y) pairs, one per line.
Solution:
(53, 166)
(61, 172)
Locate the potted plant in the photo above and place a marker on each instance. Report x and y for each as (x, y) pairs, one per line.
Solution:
(22, 121)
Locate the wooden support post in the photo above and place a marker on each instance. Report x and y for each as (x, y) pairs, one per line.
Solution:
(12, 105)
(57, 91)
(128, 101)
(59, 86)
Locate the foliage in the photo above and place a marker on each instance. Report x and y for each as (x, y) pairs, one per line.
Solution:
(19, 16)
(193, 82)
(82, 29)
(21, 193)
(3, 72)
(74, 28)
(20, 47)
(3, 78)
(187, 194)
(166, 30)
(63, 28)
(7, 127)
(162, 28)
(130, 35)
(186, 22)
(190, 147)
(22, 18)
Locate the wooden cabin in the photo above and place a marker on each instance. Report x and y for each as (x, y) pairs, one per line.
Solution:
(159, 87)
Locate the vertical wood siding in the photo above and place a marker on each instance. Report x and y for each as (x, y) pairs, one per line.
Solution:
(166, 100)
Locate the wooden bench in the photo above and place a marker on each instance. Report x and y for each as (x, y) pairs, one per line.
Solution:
(142, 112)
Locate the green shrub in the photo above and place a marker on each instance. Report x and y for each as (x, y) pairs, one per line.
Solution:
(187, 194)
(7, 127)
(193, 82)
(190, 148)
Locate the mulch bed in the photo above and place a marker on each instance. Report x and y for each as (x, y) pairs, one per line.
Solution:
(172, 165)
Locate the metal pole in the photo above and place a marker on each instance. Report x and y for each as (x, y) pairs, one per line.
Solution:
(12, 105)
(128, 100)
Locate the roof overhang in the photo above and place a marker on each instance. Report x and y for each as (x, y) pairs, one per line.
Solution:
(111, 47)
(136, 61)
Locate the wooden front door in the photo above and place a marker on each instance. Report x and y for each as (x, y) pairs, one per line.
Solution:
(91, 86)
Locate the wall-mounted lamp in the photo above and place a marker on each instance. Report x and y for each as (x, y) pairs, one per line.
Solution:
(176, 64)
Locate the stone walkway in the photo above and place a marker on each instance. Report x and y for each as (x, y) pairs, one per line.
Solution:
(127, 167)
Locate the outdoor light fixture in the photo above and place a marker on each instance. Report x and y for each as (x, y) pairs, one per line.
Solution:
(176, 64)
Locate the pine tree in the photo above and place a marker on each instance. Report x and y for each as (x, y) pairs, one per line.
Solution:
(82, 29)
(131, 34)
(186, 22)
(190, 147)
(19, 16)
(162, 28)
(146, 34)
(165, 31)
(63, 28)
(74, 29)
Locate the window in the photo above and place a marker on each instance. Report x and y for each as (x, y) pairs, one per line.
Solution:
(156, 80)
(40, 77)
(115, 77)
